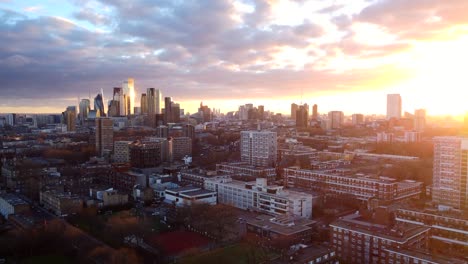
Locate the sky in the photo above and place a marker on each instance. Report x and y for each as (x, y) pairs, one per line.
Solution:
(340, 54)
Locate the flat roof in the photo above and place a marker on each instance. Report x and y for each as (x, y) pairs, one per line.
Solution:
(13, 199)
(283, 224)
(198, 192)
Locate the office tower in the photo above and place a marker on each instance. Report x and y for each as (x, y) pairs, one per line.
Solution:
(69, 118)
(302, 116)
(335, 120)
(314, 112)
(144, 104)
(188, 131)
(85, 107)
(261, 112)
(104, 135)
(113, 108)
(175, 112)
(259, 148)
(293, 111)
(420, 120)
(11, 119)
(153, 97)
(205, 112)
(357, 119)
(393, 106)
(450, 172)
(119, 102)
(168, 110)
(99, 105)
(129, 98)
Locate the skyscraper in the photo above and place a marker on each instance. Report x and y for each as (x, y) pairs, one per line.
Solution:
(315, 112)
(69, 118)
(104, 135)
(450, 172)
(259, 148)
(144, 104)
(85, 107)
(302, 116)
(129, 92)
(261, 112)
(99, 105)
(119, 98)
(293, 111)
(420, 120)
(153, 97)
(393, 106)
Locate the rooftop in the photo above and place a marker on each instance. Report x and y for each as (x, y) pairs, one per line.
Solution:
(13, 199)
(284, 224)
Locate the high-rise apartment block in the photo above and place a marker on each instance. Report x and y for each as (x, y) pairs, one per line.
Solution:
(393, 106)
(302, 116)
(450, 172)
(420, 120)
(259, 148)
(104, 135)
(122, 151)
(335, 120)
(294, 108)
(314, 112)
(357, 119)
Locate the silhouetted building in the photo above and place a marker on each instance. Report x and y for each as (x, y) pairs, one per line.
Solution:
(293, 111)
(302, 116)
(420, 120)
(85, 107)
(315, 112)
(104, 135)
(335, 120)
(144, 104)
(261, 112)
(99, 105)
(69, 118)
(205, 111)
(358, 119)
(393, 106)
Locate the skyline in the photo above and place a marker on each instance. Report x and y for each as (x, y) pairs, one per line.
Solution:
(340, 56)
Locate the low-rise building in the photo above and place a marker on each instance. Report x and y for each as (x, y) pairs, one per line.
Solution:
(360, 241)
(446, 228)
(411, 256)
(189, 195)
(258, 196)
(61, 203)
(245, 169)
(12, 204)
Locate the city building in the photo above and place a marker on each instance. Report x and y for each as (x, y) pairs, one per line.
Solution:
(154, 98)
(61, 203)
(286, 228)
(144, 104)
(357, 119)
(294, 108)
(104, 135)
(181, 147)
(420, 120)
(114, 198)
(99, 105)
(302, 116)
(412, 136)
(385, 137)
(450, 172)
(147, 154)
(449, 229)
(205, 111)
(129, 96)
(335, 120)
(118, 102)
(85, 107)
(315, 112)
(383, 190)
(412, 256)
(189, 195)
(393, 106)
(258, 196)
(359, 241)
(197, 177)
(259, 148)
(69, 118)
(122, 151)
(247, 170)
(12, 204)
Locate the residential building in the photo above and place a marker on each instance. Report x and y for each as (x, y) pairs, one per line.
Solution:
(122, 151)
(12, 204)
(420, 120)
(181, 147)
(335, 120)
(61, 203)
(357, 119)
(364, 188)
(359, 241)
(385, 137)
(393, 106)
(412, 136)
(146, 154)
(450, 172)
(104, 135)
(259, 148)
(258, 196)
(245, 169)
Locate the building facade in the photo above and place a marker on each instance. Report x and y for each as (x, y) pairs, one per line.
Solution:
(104, 135)
(393, 106)
(259, 148)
